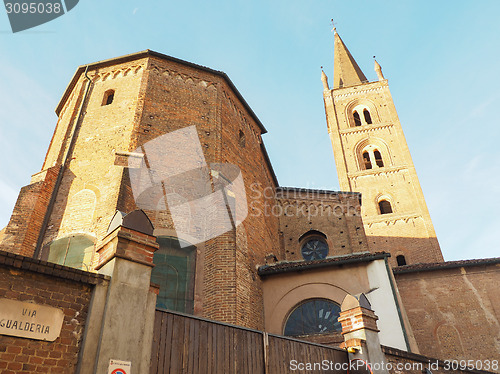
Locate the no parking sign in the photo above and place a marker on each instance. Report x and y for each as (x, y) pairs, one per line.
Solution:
(119, 367)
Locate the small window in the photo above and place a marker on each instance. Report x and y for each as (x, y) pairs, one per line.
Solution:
(368, 118)
(315, 316)
(378, 159)
(241, 139)
(385, 207)
(357, 119)
(366, 160)
(401, 260)
(108, 98)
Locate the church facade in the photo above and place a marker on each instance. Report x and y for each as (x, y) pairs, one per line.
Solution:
(172, 150)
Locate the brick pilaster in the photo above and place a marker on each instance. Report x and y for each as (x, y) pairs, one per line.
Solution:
(359, 328)
(128, 244)
(358, 318)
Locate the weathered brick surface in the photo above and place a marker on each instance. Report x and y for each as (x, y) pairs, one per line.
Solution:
(21, 234)
(51, 285)
(357, 319)
(176, 96)
(454, 312)
(88, 194)
(129, 244)
(336, 215)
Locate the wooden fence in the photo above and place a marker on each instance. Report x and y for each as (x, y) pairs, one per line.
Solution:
(192, 345)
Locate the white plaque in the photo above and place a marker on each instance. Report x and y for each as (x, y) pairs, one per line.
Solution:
(29, 320)
(119, 367)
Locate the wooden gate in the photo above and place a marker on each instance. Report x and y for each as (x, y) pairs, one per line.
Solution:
(192, 345)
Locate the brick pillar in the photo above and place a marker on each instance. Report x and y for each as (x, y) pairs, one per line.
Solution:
(21, 234)
(359, 328)
(124, 313)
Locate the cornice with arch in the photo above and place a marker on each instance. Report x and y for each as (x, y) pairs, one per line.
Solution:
(186, 78)
(365, 129)
(376, 172)
(393, 219)
(117, 73)
(241, 115)
(352, 93)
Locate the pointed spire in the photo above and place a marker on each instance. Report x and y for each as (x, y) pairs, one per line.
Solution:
(346, 71)
(378, 70)
(324, 79)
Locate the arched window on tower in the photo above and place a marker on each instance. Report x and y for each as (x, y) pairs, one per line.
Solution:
(108, 98)
(385, 207)
(401, 260)
(366, 160)
(378, 158)
(357, 119)
(368, 118)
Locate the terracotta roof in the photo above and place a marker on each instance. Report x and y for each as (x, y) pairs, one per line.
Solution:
(291, 266)
(445, 265)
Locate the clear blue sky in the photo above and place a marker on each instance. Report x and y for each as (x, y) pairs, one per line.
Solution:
(441, 59)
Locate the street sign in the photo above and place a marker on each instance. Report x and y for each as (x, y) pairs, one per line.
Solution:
(119, 367)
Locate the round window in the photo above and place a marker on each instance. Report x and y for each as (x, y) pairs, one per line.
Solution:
(315, 316)
(314, 249)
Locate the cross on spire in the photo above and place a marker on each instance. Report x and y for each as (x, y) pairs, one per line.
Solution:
(333, 25)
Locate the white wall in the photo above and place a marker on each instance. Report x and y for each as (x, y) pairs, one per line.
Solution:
(383, 304)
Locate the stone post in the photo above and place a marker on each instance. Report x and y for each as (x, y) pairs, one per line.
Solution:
(359, 328)
(123, 327)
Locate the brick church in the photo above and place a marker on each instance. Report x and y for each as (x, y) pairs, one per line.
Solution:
(169, 153)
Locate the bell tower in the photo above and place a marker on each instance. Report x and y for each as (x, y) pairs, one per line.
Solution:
(372, 157)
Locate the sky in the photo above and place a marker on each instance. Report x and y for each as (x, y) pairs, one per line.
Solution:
(440, 57)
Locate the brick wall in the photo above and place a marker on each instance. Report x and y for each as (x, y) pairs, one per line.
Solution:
(21, 234)
(153, 96)
(336, 215)
(102, 131)
(453, 308)
(176, 96)
(242, 145)
(35, 281)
